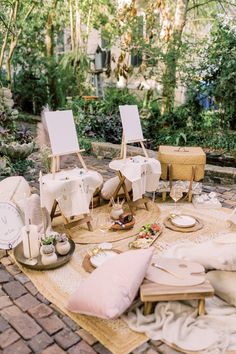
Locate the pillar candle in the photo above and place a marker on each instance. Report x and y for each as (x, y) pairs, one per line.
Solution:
(41, 189)
(30, 242)
(26, 212)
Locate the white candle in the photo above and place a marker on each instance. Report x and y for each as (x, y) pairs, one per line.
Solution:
(26, 212)
(30, 241)
(41, 188)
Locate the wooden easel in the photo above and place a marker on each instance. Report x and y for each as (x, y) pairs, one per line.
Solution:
(64, 144)
(136, 138)
(68, 222)
(55, 160)
(123, 150)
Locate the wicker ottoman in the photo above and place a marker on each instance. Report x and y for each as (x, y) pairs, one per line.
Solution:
(178, 163)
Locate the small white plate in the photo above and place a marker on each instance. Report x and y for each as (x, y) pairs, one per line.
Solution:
(183, 221)
(102, 257)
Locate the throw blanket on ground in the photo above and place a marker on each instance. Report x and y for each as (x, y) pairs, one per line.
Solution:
(177, 323)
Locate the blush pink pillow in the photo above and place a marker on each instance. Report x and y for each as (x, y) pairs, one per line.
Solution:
(112, 287)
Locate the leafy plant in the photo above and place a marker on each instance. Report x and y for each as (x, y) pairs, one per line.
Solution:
(100, 119)
(47, 240)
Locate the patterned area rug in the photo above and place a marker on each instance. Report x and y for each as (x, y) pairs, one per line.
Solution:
(57, 285)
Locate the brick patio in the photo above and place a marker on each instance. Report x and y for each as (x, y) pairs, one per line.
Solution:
(29, 323)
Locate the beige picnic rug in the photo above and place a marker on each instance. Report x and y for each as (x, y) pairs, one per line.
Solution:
(57, 285)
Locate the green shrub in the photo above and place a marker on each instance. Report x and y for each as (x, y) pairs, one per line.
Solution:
(188, 124)
(100, 119)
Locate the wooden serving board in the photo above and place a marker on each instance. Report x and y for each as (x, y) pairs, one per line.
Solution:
(175, 272)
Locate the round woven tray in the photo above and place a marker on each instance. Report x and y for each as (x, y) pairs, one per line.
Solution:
(87, 265)
(198, 226)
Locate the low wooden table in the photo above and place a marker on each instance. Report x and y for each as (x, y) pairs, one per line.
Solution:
(153, 292)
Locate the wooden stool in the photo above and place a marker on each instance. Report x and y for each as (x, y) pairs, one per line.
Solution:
(153, 292)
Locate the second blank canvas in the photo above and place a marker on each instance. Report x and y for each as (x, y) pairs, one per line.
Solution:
(131, 123)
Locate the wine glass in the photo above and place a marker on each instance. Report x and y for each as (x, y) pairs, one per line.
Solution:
(176, 193)
(104, 222)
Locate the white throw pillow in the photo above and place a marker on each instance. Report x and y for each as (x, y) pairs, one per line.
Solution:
(224, 284)
(210, 254)
(110, 186)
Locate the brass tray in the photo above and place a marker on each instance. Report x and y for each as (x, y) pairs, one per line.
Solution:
(61, 260)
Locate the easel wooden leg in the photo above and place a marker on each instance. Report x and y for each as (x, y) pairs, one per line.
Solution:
(124, 151)
(144, 150)
(146, 205)
(121, 183)
(201, 307)
(82, 161)
(122, 147)
(89, 224)
(53, 211)
(163, 196)
(190, 195)
(53, 166)
(128, 198)
(148, 308)
(57, 163)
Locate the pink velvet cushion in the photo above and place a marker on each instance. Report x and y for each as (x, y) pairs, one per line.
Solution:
(112, 287)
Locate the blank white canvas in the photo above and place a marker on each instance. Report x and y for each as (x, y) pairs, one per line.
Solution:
(62, 132)
(131, 123)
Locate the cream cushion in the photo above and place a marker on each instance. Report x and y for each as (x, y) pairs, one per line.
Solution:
(224, 284)
(110, 186)
(14, 188)
(112, 287)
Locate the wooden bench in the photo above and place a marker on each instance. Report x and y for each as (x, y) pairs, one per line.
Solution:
(153, 292)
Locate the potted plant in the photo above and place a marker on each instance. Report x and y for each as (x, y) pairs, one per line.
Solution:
(62, 244)
(47, 250)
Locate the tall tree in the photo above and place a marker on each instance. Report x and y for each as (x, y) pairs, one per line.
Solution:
(50, 51)
(19, 14)
(165, 22)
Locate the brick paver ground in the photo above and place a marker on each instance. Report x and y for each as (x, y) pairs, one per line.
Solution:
(29, 323)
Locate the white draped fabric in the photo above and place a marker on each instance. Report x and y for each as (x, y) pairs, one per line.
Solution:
(144, 173)
(73, 190)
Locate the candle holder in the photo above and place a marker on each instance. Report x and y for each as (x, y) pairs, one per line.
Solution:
(30, 260)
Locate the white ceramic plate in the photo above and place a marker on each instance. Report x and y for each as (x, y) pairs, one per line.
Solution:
(183, 221)
(102, 257)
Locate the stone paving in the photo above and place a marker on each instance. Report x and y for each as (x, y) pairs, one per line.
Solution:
(29, 323)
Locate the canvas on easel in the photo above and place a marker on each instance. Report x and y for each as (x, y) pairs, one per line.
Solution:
(132, 133)
(132, 129)
(64, 141)
(63, 136)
